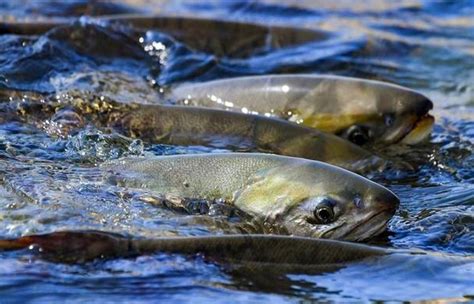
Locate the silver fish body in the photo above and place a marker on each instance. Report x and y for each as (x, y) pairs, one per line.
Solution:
(180, 125)
(357, 109)
(306, 198)
(187, 126)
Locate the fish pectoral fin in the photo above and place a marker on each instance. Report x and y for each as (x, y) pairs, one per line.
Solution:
(179, 204)
(172, 202)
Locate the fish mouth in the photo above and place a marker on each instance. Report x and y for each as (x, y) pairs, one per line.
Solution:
(374, 225)
(420, 131)
(410, 130)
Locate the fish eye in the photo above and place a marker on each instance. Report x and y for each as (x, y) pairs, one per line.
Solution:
(388, 119)
(358, 135)
(324, 212)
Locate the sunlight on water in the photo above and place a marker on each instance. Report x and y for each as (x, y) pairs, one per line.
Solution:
(57, 119)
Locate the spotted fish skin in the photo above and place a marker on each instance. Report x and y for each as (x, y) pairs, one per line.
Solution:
(279, 190)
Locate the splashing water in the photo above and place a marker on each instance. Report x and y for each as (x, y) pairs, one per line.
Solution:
(49, 180)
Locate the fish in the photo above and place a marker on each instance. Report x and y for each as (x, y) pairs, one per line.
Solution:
(79, 246)
(183, 125)
(221, 38)
(300, 196)
(361, 111)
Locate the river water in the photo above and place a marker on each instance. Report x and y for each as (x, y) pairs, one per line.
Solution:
(49, 182)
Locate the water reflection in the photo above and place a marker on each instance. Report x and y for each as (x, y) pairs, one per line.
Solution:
(48, 180)
(429, 277)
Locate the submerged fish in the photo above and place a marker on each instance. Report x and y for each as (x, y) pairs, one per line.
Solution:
(223, 129)
(304, 197)
(362, 111)
(180, 125)
(81, 246)
(218, 37)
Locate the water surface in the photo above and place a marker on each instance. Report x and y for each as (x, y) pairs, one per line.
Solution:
(49, 179)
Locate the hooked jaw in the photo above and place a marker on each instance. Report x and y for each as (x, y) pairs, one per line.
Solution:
(422, 128)
(420, 132)
(414, 126)
(365, 219)
(375, 222)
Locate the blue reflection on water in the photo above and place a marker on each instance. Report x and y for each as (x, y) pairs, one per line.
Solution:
(424, 45)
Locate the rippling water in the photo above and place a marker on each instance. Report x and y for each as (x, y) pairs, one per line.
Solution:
(49, 181)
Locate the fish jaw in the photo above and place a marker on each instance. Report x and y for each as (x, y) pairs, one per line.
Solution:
(410, 130)
(361, 227)
(420, 132)
(373, 226)
(418, 125)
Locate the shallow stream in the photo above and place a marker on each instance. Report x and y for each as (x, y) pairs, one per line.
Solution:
(49, 181)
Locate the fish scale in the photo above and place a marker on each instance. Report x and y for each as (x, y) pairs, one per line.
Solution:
(278, 190)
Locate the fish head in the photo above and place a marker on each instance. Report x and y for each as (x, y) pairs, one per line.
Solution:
(398, 115)
(314, 199)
